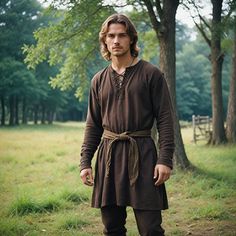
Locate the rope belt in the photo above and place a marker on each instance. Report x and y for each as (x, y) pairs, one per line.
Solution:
(133, 161)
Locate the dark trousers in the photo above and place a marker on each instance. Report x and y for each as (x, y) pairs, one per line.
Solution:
(148, 222)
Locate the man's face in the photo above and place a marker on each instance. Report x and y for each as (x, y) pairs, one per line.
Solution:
(117, 40)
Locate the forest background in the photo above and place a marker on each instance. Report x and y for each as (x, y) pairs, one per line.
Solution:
(58, 89)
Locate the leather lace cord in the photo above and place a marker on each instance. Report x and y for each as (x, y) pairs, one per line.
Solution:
(133, 161)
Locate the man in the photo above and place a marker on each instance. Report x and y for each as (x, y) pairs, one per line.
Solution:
(125, 99)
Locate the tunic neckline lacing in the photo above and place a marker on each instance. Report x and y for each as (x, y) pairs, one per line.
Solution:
(120, 80)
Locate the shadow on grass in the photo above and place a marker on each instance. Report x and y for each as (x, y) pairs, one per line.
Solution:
(229, 178)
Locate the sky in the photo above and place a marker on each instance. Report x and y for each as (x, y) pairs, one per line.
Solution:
(184, 15)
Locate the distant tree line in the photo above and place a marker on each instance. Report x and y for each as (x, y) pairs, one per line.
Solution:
(26, 95)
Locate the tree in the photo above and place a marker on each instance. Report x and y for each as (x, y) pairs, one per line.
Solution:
(212, 31)
(15, 81)
(22, 91)
(18, 19)
(47, 100)
(192, 81)
(72, 39)
(231, 112)
(162, 16)
(217, 57)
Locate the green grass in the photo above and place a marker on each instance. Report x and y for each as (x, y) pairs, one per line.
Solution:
(41, 192)
(25, 205)
(72, 223)
(75, 197)
(14, 226)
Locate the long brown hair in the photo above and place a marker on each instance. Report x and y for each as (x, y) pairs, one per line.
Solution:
(130, 30)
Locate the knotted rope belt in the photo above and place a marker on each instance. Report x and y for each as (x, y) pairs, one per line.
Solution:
(133, 160)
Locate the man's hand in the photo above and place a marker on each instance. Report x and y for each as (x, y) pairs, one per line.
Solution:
(161, 173)
(87, 176)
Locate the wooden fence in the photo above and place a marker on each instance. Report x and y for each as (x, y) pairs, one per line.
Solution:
(202, 127)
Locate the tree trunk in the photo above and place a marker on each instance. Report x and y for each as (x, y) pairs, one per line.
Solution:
(168, 66)
(231, 112)
(43, 118)
(36, 114)
(50, 117)
(165, 30)
(3, 110)
(24, 111)
(12, 110)
(218, 132)
(16, 110)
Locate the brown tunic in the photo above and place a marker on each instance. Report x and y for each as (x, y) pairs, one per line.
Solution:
(133, 106)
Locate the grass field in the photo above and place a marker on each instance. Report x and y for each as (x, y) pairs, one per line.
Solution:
(41, 192)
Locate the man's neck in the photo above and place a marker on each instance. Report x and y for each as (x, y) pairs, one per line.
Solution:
(119, 64)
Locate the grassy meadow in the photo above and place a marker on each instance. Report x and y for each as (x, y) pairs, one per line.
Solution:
(41, 192)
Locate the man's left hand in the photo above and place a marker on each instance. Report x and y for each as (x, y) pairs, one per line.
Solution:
(161, 173)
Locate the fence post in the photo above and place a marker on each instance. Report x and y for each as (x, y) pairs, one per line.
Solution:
(194, 128)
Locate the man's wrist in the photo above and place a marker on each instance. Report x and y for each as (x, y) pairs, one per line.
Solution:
(85, 166)
(165, 163)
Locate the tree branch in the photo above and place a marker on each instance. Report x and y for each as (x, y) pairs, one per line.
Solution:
(204, 21)
(155, 23)
(200, 26)
(159, 9)
(232, 8)
(201, 30)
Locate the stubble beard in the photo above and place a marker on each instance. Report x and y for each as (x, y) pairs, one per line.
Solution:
(120, 54)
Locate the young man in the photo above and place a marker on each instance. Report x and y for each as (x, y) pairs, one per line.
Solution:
(125, 99)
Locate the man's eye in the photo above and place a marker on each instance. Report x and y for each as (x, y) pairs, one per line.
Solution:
(110, 36)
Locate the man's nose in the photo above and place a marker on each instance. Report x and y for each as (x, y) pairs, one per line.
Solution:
(116, 39)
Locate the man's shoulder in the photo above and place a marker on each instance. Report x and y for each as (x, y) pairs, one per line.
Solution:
(99, 75)
(151, 71)
(150, 68)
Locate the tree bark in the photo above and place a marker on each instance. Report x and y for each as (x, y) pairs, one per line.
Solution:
(218, 131)
(165, 31)
(3, 110)
(231, 112)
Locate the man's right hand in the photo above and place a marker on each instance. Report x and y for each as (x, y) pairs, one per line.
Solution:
(87, 176)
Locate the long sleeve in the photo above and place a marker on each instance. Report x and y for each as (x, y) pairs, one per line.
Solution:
(164, 116)
(93, 129)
